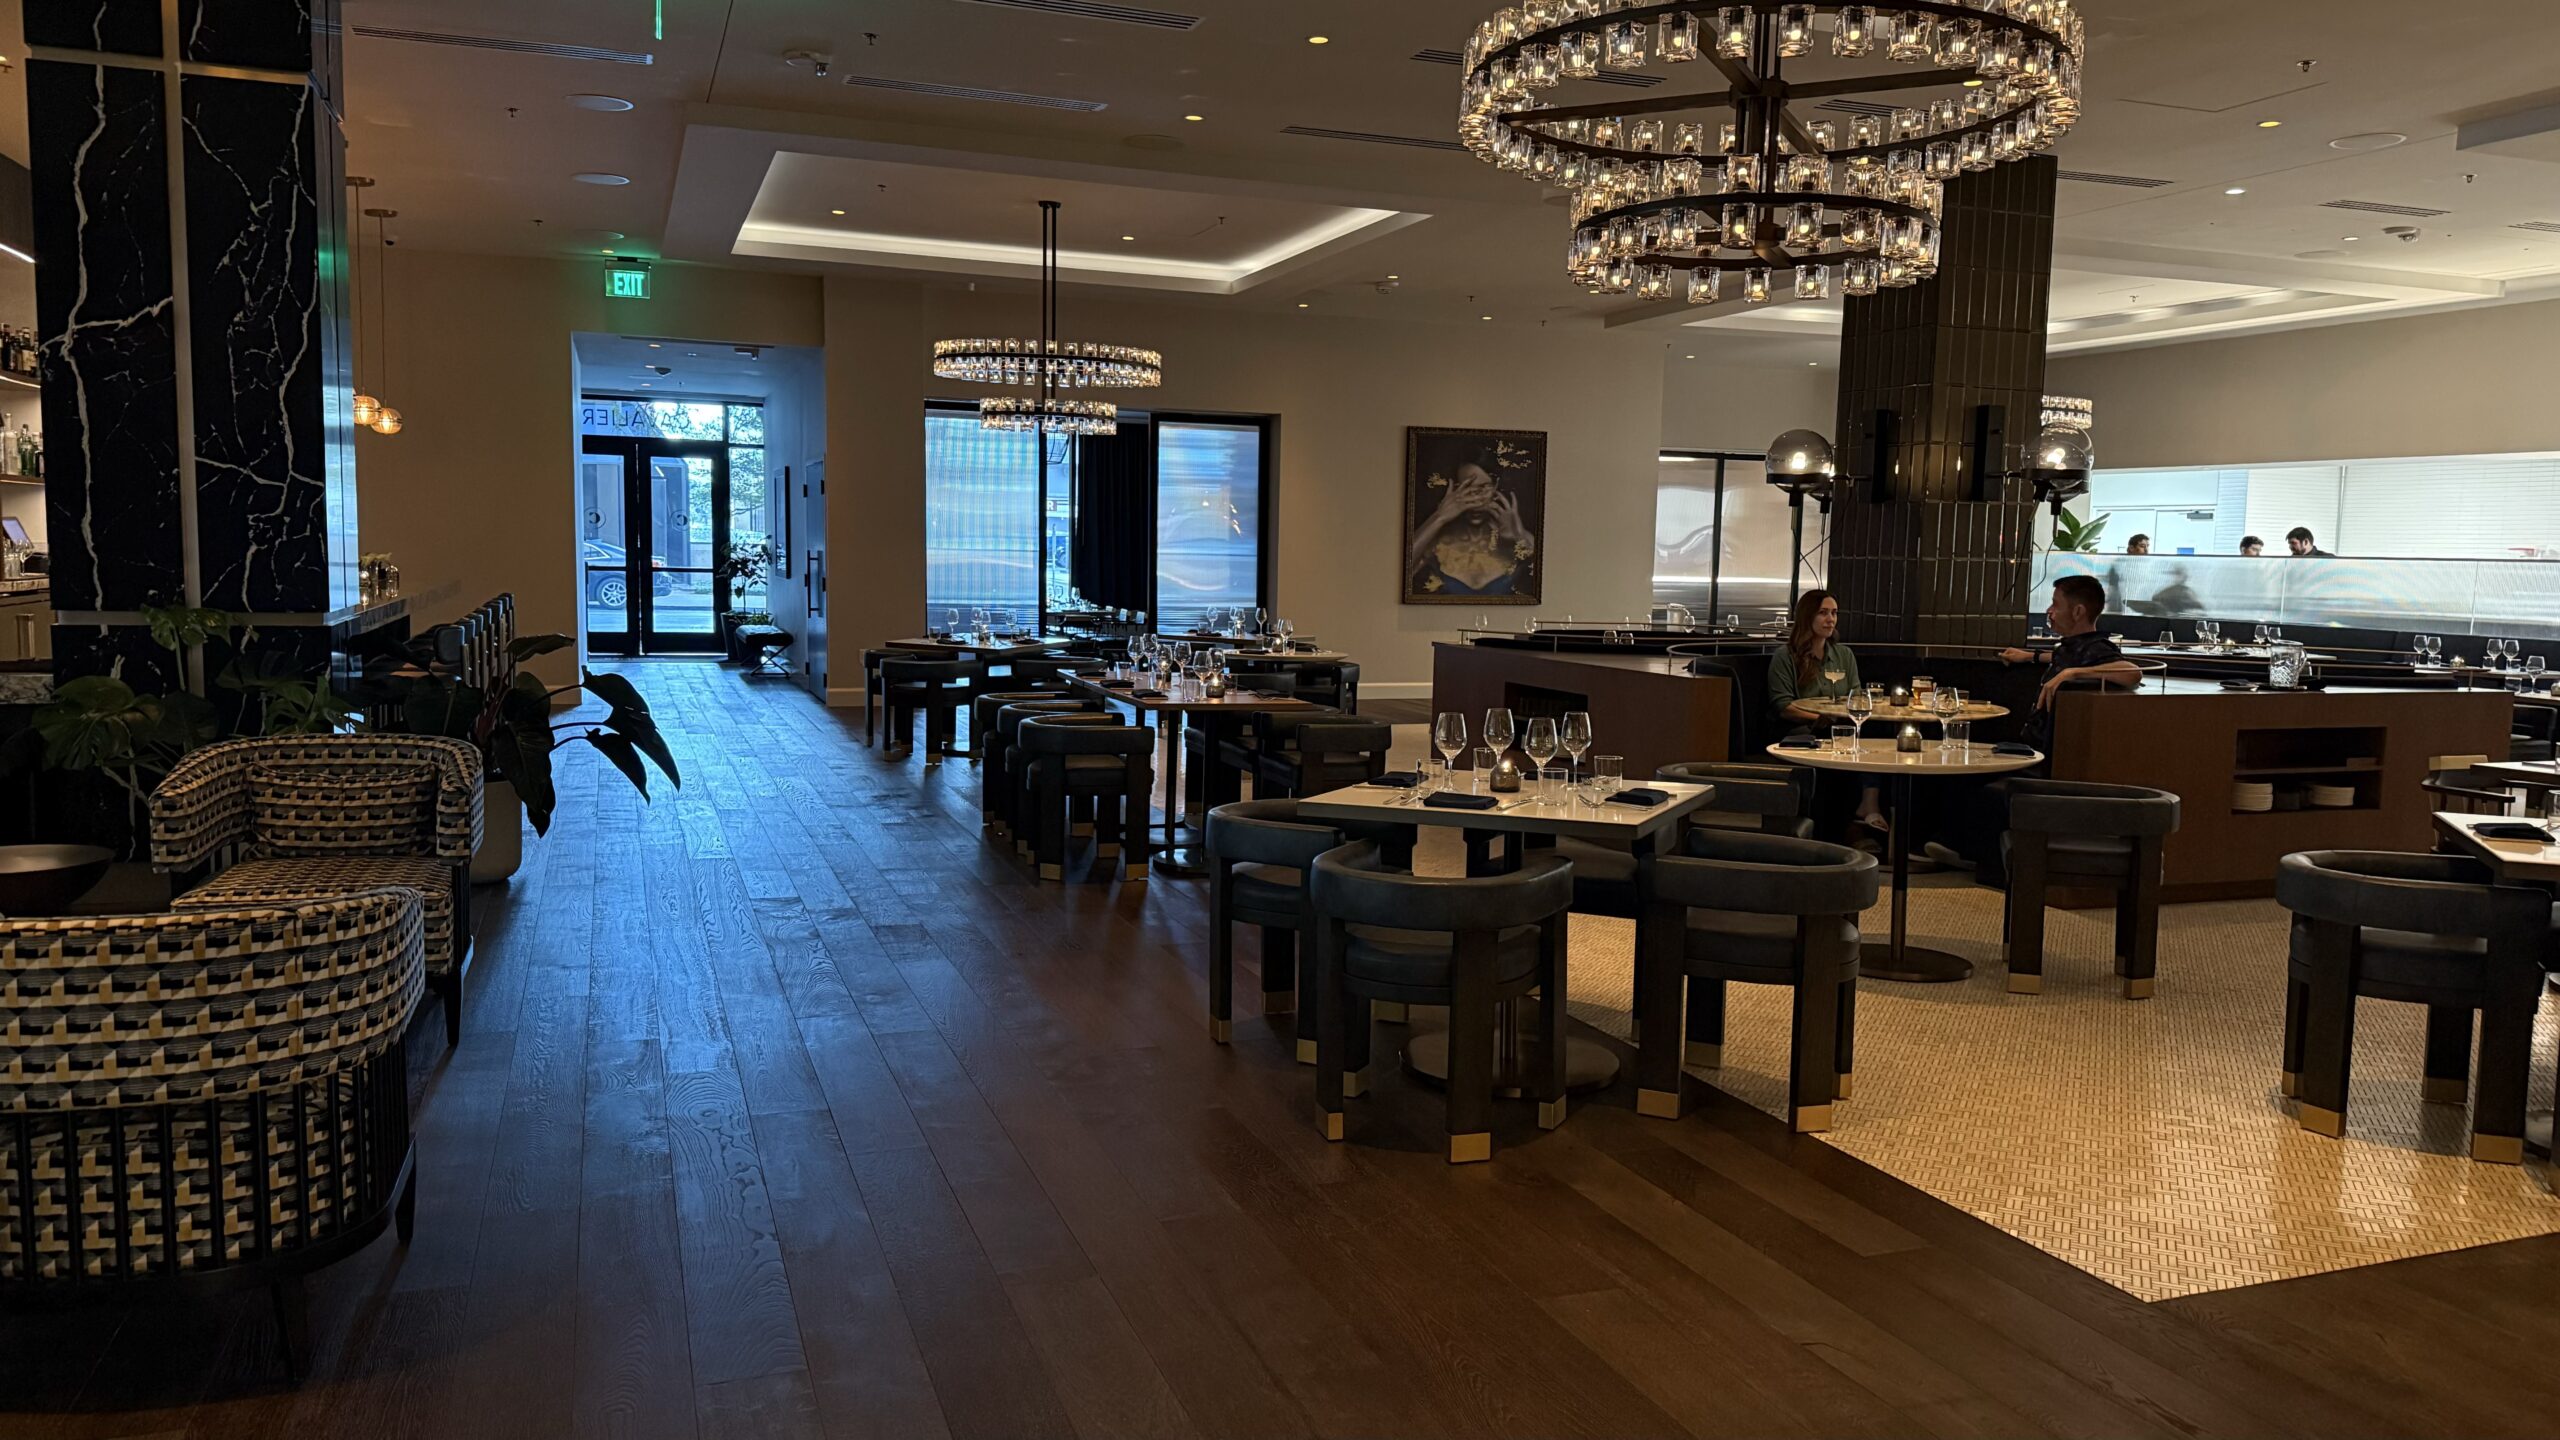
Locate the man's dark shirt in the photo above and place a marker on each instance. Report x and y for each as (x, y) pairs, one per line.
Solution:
(2090, 647)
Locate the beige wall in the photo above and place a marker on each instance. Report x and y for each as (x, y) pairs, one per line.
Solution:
(1739, 409)
(473, 496)
(1344, 391)
(2462, 382)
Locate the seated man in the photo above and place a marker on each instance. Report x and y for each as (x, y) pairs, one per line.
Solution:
(2082, 654)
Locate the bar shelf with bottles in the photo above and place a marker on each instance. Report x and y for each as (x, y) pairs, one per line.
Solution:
(19, 364)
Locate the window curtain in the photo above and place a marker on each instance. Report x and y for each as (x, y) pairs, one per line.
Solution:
(1111, 550)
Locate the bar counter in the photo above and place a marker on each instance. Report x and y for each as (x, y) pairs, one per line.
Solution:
(1647, 708)
(2199, 740)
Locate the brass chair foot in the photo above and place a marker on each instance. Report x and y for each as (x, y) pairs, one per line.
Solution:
(1333, 1124)
(1393, 1012)
(1279, 1002)
(1306, 1052)
(2498, 1149)
(1053, 872)
(2291, 1084)
(1135, 874)
(1550, 1114)
(2141, 989)
(1353, 1086)
(2021, 983)
(1658, 1104)
(1706, 1054)
(2323, 1122)
(2451, 1090)
(1811, 1118)
(1222, 1031)
(1468, 1149)
(1840, 1091)
(1081, 828)
(1107, 849)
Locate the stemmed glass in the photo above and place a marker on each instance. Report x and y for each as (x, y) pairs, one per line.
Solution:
(1576, 736)
(1281, 630)
(1862, 705)
(951, 621)
(1541, 748)
(1137, 648)
(1499, 732)
(2262, 634)
(1261, 619)
(1449, 737)
(2533, 672)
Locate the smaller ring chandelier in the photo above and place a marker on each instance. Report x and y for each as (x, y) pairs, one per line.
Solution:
(1057, 417)
(1048, 364)
(2069, 411)
(1664, 184)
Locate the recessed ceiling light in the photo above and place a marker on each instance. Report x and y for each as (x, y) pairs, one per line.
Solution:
(1688, 357)
(2269, 124)
(1484, 317)
(2351, 238)
(1813, 364)
(1195, 117)
(2237, 190)
(645, 385)
(600, 102)
(1973, 84)
(600, 177)
(1395, 277)
(608, 252)
(1128, 237)
(1319, 39)
(835, 212)
(1302, 304)
(655, 345)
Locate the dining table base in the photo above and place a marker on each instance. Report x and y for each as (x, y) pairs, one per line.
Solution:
(1911, 964)
(1588, 1065)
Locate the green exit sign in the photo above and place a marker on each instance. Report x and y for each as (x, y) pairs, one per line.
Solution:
(626, 282)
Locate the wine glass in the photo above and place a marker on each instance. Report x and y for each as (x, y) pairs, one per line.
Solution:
(2533, 672)
(1261, 619)
(951, 621)
(1499, 732)
(1576, 735)
(1281, 630)
(1449, 737)
(1541, 746)
(1862, 705)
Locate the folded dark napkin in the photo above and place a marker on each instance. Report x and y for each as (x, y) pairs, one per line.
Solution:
(2511, 830)
(1451, 800)
(1146, 695)
(2012, 747)
(1643, 796)
(1800, 742)
(1405, 779)
(1118, 684)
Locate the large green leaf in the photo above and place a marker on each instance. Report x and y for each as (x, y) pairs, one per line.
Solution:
(615, 690)
(625, 758)
(522, 754)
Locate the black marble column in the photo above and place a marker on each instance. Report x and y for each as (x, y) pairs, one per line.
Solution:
(1941, 388)
(192, 299)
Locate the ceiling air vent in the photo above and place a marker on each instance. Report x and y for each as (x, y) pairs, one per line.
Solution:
(970, 92)
(1089, 10)
(2545, 227)
(1315, 132)
(2130, 182)
(2376, 207)
(1607, 77)
(512, 47)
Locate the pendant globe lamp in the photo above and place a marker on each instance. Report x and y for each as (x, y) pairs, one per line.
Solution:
(366, 407)
(385, 420)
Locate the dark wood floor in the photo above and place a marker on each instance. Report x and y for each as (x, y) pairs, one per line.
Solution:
(788, 1107)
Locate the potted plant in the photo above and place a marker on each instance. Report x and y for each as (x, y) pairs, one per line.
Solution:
(2076, 536)
(519, 739)
(742, 567)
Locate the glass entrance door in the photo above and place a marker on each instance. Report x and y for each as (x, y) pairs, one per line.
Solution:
(657, 515)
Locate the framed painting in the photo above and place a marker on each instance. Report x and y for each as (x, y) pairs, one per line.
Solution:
(1475, 516)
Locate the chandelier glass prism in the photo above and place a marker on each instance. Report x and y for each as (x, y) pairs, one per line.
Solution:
(1745, 177)
(1048, 365)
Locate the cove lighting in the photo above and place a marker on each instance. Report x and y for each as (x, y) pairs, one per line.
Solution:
(16, 253)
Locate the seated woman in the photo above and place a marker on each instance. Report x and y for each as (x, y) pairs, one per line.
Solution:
(1816, 666)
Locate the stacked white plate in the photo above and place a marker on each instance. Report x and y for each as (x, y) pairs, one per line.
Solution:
(2329, 797)
(2252, 797)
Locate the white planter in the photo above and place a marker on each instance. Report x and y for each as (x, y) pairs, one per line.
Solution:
(501, 834)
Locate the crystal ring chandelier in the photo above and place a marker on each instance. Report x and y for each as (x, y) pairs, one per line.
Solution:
(1048, 365)
(1736, 179)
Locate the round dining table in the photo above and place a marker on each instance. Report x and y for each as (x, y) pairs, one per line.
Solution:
(1838, 709)
(1898, 958)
